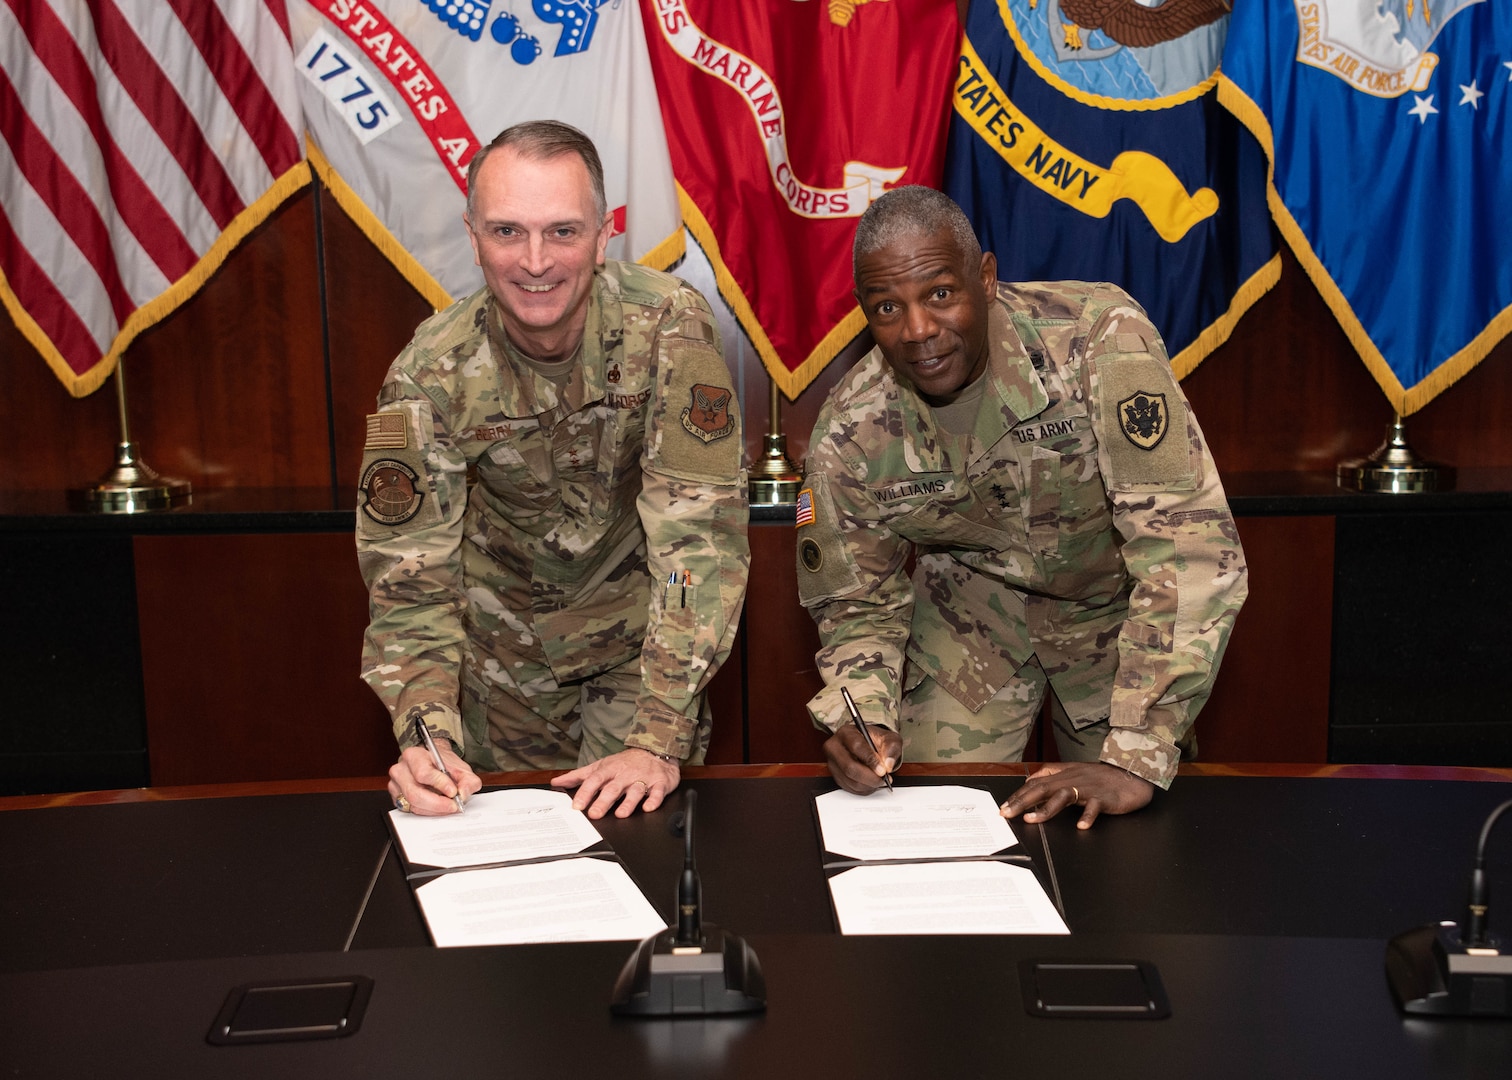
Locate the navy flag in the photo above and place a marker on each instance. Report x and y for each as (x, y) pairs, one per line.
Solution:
(1087, 142)
(1388, 130)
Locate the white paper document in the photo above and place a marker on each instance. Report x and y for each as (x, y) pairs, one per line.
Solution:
(583, 899)
(943, 898)
(497, 826)
(913, 823)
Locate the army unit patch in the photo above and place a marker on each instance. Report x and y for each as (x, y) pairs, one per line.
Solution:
(708, 416)
(809, 551)
(1142, 417)
(387, 431)
(389, 494)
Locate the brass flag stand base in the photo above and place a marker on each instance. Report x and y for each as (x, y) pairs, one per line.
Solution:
(132, 486)
(774, 479)
(1395, 468)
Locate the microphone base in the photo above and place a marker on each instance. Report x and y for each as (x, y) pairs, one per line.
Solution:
(1432, 973)
(724, 978)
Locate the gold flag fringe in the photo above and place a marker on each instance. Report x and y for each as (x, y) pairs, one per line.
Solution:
(82, 384)
(792, 383)
(1405, 400)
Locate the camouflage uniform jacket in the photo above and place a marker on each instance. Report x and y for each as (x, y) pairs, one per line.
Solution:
(1082, 520)
(504, 528)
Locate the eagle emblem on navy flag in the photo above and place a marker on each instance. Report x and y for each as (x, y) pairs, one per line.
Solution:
(708, 417)
(1142, 418)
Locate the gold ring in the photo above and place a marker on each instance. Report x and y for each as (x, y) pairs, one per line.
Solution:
(1075, 795)
(642, 783)
(402, 803)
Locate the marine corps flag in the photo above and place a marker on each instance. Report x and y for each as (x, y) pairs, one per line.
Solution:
(786, 119)
(1087, 142)
(399, 95)
(140, 141)
(1390, 140)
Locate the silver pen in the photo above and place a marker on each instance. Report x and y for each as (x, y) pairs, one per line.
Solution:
(430, 744)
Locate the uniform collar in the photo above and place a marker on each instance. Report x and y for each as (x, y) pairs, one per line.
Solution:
(1015, 391)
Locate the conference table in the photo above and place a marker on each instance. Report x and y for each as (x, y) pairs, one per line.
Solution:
(1262, 895)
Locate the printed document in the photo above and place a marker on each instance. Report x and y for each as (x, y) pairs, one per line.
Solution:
(983, 897)
(497, 826)
(583, 899)
(543, 891)
(913, 823)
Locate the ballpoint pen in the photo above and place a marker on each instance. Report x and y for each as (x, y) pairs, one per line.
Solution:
(430, 744)
(856, 719)
(685, 588)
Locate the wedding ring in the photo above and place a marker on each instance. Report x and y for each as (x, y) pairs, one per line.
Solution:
(1075, 795)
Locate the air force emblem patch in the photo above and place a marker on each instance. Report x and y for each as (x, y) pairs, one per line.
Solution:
(1142, 417)
(708, 417)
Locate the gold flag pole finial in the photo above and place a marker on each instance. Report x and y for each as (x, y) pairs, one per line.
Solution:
(1395, 468)
(774, 479)
(132, 486)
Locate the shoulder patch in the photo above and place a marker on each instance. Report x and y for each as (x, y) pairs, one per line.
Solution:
(1143, 418)
(394, 493)
(707, 416)
(699, 437)
(391, 492)
(387, 431)
(1143, 422)
(826, 568)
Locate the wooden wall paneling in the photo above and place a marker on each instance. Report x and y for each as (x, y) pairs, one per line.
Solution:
(230, 390)
(727, 703)
(1469, 424)
(1288, 393)
(53, 442)
(781, 641)
(1271, 698)
(373, 313)
(251, 648)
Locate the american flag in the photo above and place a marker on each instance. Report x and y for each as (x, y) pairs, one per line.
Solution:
(140, 140)
(805, 508)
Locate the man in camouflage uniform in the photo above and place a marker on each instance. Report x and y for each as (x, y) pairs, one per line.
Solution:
(552, 511)
(1028, 446)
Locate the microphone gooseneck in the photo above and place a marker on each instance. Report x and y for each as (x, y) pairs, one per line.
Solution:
(689, 891)
(1478, 918)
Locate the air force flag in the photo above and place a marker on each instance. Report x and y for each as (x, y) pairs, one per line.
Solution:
(1388, 131)
(1087, 142)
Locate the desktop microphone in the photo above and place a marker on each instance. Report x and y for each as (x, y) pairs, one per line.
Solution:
(689, 890)
(695, 970)
(1436, 970)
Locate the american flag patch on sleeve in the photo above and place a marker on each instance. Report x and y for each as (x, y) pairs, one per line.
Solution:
(386, 431)
(805, 508)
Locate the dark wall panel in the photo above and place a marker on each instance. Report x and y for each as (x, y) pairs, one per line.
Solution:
(251, 649)
(1420, 644)
(1270, 701)
(70, 611)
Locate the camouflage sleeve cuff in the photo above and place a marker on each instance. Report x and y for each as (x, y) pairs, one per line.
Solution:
(830, 714)
(443, 721)
(1146, 756)
(661, 730)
